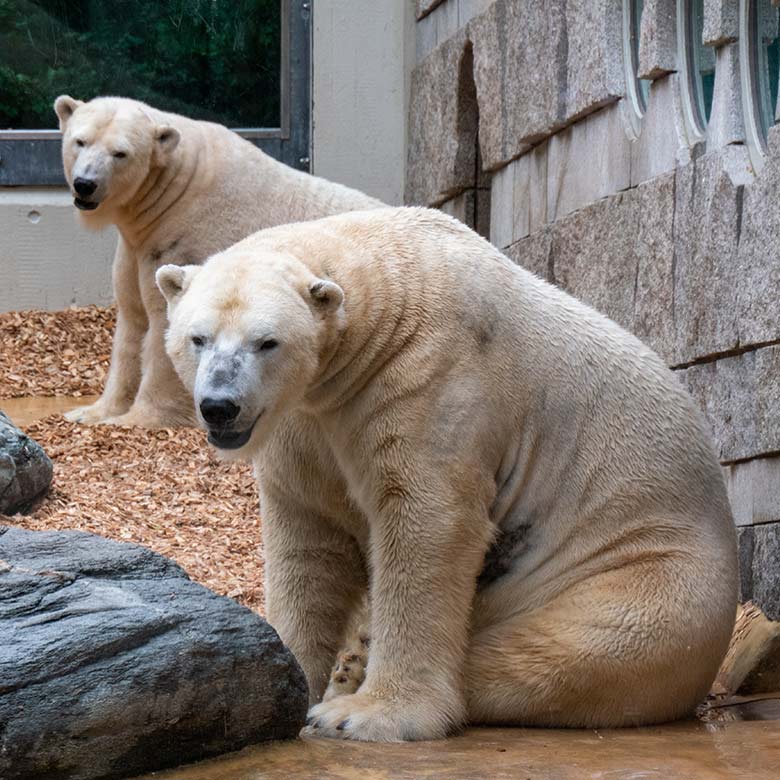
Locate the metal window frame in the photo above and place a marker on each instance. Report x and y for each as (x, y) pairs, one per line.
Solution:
(634, 94)
(693, 108)
(33, 157)
(753, 82)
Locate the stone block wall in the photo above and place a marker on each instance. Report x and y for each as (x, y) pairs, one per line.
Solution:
(520, 125)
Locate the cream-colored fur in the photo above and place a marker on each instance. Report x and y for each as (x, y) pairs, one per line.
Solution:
(525, 491)
(182, 191)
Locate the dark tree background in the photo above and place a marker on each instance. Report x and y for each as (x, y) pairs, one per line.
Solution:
(209, 59)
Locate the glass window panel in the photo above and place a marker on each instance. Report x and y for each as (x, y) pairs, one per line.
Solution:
(708, 90)
(637, 90)
(767, 62)
(644, 91)
(218, 60)
(773, 74)
(703, 76)
(642, 84)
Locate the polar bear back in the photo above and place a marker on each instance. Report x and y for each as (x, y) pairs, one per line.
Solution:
(223, 187)
(579, 416)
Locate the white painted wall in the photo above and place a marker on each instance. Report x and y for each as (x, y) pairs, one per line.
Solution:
(363, 56)
(47, 260)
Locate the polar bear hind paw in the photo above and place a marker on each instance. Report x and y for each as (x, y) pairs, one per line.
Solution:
(349, 671)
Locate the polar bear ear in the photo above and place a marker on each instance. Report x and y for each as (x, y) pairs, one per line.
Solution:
(326, 295)
(64, 106)
(173, 280)
(166, 139)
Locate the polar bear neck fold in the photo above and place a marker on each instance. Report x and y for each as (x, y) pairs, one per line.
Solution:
(160, 192)
(382, 322)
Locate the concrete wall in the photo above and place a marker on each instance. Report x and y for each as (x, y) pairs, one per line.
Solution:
(362, 61)
(47, 260)
(674, 237)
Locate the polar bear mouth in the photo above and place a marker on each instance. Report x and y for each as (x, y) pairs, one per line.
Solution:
(85, 205)
(231, 440)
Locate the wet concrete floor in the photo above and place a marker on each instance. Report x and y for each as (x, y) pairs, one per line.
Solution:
(742, 744)
(23, 411)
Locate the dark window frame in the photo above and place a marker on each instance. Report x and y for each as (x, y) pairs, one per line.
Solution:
(758, 114)
(34, 157)
(690, 30)
(637, 90)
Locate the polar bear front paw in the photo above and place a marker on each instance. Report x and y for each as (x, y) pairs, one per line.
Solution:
(371, 718)
(142, 415)
(89, 415)
(136, 418)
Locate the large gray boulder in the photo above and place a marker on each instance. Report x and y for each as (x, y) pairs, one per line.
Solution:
(114, 663)
(25, 469)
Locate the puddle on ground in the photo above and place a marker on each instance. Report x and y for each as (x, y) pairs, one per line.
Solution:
(24, 411)
(741, 743)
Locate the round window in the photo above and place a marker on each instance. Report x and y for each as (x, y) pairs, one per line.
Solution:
(697, 65)
(637, 90)
(759, 45)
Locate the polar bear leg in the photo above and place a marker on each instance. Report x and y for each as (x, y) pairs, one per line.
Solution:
(429, 542)
(619, 649)
(315, 573)
(124, 374)
(310, 586)
(162, 400)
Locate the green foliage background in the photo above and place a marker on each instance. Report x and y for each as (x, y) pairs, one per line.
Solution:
(209, 59)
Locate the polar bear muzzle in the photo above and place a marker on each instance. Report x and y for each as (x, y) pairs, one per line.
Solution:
(84, 189)
(219, 411)
(219, 414)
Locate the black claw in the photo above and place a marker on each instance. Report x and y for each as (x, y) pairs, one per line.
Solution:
(341, 726)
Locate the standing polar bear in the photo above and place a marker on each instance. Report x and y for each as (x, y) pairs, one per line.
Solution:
(178, 190)
(521, 487)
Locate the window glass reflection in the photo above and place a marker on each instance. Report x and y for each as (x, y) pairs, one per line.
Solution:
(773, 75)
(703, 61)
(767, 61)
(637, 90)
(218, 60)
(643, 85)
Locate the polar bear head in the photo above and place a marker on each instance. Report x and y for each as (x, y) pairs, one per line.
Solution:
(109, 147)
(249, 333)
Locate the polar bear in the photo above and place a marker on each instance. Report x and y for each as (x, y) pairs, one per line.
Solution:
(178, 191)
(523, 491)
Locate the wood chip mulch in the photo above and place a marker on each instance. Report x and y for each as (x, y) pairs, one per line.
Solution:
(161, 488)
(55, 353)
(164, 489)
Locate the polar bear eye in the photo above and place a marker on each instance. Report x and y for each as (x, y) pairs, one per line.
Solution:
(198, 341)
(265, 345)
(79, 142)
(120, 155)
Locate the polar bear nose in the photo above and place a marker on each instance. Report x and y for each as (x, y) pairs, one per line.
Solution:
(218, 411)
(84, 187)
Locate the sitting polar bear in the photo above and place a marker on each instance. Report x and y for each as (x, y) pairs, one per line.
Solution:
(178, 191)
(523, 489)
